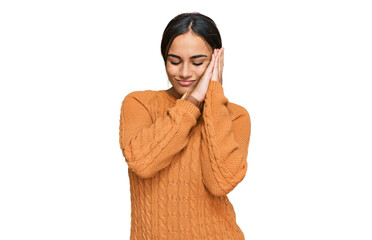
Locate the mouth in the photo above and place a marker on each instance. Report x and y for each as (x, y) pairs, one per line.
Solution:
(186, 83)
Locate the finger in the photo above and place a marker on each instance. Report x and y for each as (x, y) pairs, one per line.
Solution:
(222, 59)
(215, 70)
(209, 71)
(211, 64)
(213, 61)
(217, 56)
(218, 67)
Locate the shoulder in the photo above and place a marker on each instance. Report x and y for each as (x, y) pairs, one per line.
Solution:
(146, 94)
(148, 101)
(142, 97)
(238, 111)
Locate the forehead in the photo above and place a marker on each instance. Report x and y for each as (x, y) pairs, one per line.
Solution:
(189, 44)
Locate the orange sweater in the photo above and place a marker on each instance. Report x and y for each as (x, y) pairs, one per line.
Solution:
(182, 163)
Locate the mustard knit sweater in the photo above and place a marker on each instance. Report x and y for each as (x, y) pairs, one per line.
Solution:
(182, 163)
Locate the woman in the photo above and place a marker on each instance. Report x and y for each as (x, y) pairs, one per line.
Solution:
(186, 147)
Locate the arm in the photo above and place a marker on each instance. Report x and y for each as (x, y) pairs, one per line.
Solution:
(148, 146)
(225, 140)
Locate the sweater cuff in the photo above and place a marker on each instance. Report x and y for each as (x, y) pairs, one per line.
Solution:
(216, 87)
(188, 107)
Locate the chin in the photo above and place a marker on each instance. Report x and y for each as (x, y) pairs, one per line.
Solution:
(182, 90)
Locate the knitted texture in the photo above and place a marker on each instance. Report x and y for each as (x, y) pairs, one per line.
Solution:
(182, 163)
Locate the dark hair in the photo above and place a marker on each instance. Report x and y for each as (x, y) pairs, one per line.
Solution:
(184, 22)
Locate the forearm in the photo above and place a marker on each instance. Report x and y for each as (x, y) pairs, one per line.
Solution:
(149, 146)
(225, 138)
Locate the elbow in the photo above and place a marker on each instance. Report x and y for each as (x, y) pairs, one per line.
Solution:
(142, 173)
(218, 191)
(224, 186)
(137, 166)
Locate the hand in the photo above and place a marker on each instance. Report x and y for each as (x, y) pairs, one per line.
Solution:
(201, 89)
(213, 71)
(218, 66)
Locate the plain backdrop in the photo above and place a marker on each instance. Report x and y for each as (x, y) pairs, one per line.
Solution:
(302, 69)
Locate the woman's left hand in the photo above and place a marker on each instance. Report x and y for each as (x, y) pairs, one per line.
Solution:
(218, 66)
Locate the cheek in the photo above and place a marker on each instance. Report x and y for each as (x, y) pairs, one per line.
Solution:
(201, 71)
(171, 70)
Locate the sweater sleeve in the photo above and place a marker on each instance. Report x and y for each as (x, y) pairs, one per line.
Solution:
(224, 142)
(148, 145)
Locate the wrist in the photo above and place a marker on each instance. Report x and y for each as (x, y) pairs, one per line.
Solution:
(189, 97)
(197, 96)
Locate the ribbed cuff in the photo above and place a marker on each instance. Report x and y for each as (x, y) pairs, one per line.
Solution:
(215, 86)
(189, 107)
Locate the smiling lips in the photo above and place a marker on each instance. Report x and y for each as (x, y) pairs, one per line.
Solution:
(185, 83)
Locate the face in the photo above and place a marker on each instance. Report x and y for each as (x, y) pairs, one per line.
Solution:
(187, 60)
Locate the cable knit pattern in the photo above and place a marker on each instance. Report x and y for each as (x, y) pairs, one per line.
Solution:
(182, 163)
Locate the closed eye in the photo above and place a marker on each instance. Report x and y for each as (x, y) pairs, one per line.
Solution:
(196, 64)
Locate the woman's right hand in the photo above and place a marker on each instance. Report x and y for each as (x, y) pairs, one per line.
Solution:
(201, 89)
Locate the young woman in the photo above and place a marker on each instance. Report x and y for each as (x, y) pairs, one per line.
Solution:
(186, 147)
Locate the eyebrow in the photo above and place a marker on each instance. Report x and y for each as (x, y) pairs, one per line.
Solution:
(193, 57)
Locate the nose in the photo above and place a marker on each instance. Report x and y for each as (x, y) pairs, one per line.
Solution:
(185, 71)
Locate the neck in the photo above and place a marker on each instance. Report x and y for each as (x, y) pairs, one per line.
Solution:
(172, 92)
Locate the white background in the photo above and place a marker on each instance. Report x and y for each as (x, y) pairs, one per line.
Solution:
(302, 69)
